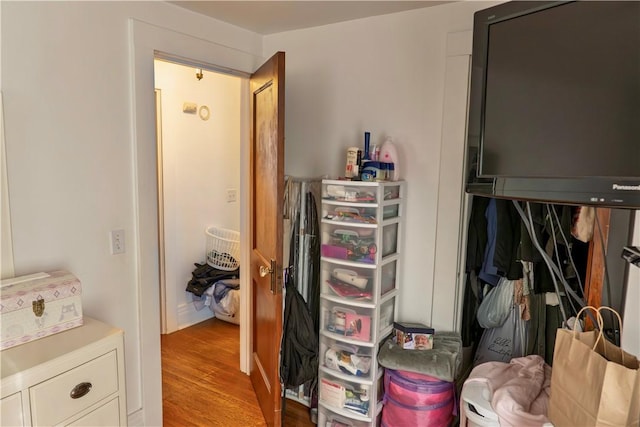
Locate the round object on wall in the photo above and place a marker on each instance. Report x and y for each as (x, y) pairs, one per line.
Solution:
(204, 112)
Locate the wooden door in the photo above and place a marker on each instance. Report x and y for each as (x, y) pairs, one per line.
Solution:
(266, 205)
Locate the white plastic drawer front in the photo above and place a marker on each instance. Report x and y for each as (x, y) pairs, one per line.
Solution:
(347, 281)
(348, 322)
(349, 192)
(354, 214)
(52, 401)
(346, 242)
(345, 397)
(345, 359)
(328, 418)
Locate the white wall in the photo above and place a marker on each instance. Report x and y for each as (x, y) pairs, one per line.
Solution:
(385, 75)
(6, 247)
(201, 161)
(67, 81)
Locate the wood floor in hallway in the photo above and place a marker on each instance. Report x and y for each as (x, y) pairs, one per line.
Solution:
(202, 384)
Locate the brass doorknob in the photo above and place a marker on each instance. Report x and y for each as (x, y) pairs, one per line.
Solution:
(264, 270)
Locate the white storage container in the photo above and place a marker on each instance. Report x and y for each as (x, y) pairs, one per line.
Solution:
(223, 248)
(359, 279)
(476, 405)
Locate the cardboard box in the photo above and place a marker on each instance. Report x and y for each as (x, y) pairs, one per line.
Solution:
(38, 305)
(413, 336)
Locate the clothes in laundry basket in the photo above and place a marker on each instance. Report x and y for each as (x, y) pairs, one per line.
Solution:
(222, 288)
(225, 304)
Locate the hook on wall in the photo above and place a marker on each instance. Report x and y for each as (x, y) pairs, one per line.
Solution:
(199, 74)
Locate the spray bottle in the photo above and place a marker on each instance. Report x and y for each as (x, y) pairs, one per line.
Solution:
(389, 154)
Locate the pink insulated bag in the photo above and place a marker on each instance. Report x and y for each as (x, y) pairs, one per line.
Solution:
(412, 399)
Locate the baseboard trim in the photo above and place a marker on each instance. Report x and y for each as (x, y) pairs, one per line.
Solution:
(136, 418)
(189, 316)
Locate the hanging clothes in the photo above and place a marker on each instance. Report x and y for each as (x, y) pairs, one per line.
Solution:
(477, 234)
(299, 351)
(489, 271)
(312, 228)
(507, 240)
(493, 240)
(303, 300)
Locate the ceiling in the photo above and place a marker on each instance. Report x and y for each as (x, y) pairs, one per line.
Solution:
(269, 17)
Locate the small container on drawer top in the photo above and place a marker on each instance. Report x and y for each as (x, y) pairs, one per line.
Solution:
(38, 305)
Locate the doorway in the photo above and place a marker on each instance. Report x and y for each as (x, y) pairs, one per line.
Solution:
(150, 42)
(199, 139)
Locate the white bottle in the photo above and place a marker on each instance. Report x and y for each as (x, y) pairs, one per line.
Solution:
(389, 154)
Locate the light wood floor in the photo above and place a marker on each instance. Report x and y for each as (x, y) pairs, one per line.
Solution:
(202, 384)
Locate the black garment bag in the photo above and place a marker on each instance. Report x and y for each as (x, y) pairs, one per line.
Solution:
(299, 348)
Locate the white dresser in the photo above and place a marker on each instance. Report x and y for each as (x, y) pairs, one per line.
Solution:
(75, 378)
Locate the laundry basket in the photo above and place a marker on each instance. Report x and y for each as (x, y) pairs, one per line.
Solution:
(223, 248)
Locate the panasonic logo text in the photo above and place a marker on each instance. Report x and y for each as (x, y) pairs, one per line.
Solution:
(626, 187)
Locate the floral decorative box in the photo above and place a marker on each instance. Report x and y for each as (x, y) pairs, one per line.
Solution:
(38, 305)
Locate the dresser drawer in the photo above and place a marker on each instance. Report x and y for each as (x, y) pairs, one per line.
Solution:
(106, 415)
(11, 410)
(51, 401)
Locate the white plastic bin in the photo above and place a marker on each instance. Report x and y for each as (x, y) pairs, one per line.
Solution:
(223, 248)
(476, 405)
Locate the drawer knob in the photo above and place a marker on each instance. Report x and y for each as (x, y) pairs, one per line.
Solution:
(80, 390)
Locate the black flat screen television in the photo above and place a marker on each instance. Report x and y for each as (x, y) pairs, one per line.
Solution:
(554, 109)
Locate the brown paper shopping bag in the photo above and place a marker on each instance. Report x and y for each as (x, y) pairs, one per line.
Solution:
(593, 382)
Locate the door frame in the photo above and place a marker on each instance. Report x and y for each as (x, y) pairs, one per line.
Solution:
(147, 42)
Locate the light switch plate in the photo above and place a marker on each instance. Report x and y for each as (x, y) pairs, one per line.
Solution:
(190, 107)
(117, 242)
